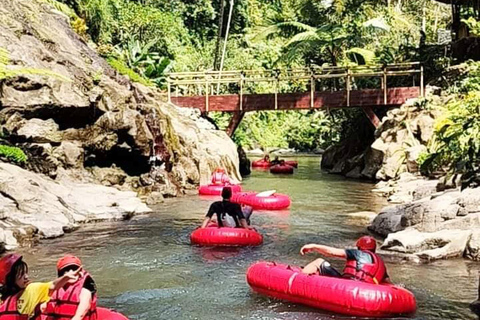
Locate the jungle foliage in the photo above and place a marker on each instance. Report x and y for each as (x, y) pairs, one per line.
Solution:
(147, 38)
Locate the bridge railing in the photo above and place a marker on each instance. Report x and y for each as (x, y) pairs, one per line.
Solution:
(205, 81)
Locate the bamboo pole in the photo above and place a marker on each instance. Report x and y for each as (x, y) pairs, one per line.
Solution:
(225, 43)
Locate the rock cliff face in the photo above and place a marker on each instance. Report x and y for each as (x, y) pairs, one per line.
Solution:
(401, 138)
(76, 118)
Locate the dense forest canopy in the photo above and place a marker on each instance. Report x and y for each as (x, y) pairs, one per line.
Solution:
(147, 38)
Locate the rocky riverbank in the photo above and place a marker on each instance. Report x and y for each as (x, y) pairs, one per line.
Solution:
(83, 125)
(433, 220)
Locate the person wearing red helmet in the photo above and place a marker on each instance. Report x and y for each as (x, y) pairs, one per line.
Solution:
(219, 177)
(362, 264)
(21, 298)
(76, 299)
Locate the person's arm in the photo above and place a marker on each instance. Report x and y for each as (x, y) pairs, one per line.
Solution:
(244, 224)
(208, 217)
(60, 282)
(206, 222)
(84, 304)
(324, 250)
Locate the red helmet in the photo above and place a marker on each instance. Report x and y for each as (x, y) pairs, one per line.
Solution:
(366, 243)
(6, 264)
(68, 260)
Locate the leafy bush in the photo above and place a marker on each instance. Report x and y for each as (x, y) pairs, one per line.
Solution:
(13, 154)
(457, 141)
(122, 68)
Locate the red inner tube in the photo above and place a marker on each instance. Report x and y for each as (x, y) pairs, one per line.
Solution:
(276, 201)
(261, 163)
(216, 189)
(215, 236)
(292, 163)
(107, 314)
(281, 169)
(337, 295)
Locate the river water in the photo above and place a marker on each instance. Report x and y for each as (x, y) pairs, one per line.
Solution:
(146, 268)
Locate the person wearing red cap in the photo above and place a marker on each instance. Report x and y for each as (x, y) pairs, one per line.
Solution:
(21, 298)
(219, 177)
(362, 264)
(76, 299)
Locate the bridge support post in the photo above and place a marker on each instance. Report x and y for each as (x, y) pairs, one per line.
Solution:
(234, 122)
(371, 116)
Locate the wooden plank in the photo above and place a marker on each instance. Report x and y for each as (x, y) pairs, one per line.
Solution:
(372, 116)
(300, 101)
(234, 122)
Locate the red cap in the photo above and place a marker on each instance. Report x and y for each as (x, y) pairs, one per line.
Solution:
(367, 243)
(6, 264)
(68, 260)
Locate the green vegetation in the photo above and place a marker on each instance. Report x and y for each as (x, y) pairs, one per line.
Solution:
(456, 146)
(144, 39)
(13, 154)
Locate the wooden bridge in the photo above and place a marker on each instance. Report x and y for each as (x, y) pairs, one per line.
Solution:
(323, 88)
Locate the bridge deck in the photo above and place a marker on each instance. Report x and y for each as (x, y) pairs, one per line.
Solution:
(297, 101)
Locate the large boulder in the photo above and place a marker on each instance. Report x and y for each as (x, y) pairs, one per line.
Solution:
(31, 203)
(429, 246)
(70, 110)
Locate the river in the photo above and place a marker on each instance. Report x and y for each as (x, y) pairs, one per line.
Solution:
(146, 268)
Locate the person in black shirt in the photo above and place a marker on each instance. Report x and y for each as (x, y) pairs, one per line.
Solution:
(275, 161)
(229, 214)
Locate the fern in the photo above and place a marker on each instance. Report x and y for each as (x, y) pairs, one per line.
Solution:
(13, 154)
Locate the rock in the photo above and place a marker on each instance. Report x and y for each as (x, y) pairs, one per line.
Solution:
(71, 154)
(389, 220)
(109, 176)
(76, 111)
(412, 155)
(154, 198)
(244, 162)
(424, 188)
(39, 131)
(473, 246)
(355, 173)
(429, 246)
(425, 125)
(52, 207)
(469, 200)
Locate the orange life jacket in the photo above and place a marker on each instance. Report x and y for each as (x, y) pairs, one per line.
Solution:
(9, 310)
(370, 272)
(64, 302)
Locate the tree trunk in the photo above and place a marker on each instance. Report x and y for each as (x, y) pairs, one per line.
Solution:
(219, 37)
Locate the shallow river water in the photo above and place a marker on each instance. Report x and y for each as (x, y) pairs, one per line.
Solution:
(147, 269)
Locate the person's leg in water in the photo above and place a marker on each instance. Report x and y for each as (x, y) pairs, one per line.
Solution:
(321, 267)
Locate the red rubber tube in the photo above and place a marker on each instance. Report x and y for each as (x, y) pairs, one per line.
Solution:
(216, 189)
(232, 237)
(107, 314)
(276, 201)
(261, 164)
(281, 169)
(292, 163)
(337, 295)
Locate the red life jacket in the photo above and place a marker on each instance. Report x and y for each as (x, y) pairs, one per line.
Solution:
(9, 310)
(220, 178)
(370, 272)
(64, 302)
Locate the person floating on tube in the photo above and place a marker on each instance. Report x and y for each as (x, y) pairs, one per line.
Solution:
(362, 264)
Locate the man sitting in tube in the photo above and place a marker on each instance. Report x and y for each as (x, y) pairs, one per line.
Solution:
(229, 214)
(362, 264)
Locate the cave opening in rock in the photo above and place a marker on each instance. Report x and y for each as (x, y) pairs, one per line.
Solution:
(66, 117)
(124, 155)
